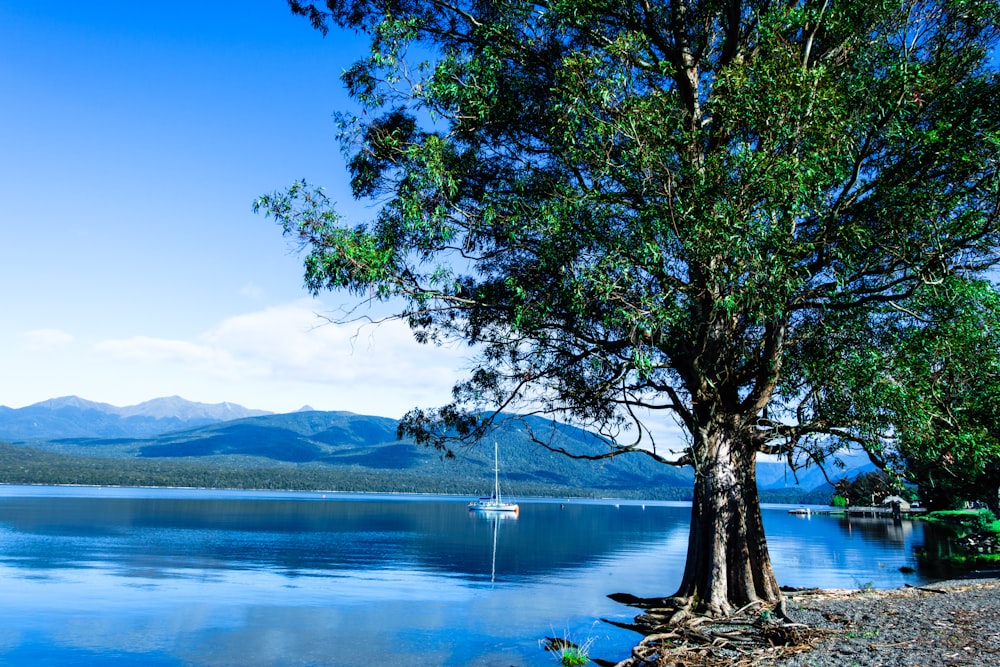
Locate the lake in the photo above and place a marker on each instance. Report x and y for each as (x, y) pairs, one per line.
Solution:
(195, 577)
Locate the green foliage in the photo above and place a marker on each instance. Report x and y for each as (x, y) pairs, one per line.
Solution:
(706, 213)
(959, 540)
(568, 653)
(980, 521)
(722, 211)
(838, 501)
(944, 406)
(867, 489)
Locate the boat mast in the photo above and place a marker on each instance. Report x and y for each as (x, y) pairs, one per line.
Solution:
(496, 471)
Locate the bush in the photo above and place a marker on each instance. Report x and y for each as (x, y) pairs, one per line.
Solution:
(965, 521)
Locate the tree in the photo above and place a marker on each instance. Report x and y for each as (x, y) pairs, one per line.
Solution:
(698, 208)
(867, 489)
(947, 414)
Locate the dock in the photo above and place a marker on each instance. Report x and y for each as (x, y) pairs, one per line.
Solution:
(872, 512)
(882, 511)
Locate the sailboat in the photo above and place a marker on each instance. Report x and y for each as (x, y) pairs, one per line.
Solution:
(494, 503)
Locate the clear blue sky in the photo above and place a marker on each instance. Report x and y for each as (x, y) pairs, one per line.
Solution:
(134, 137)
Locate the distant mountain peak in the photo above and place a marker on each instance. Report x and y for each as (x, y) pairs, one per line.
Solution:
(180, 408)
(159, 408)
(75, 402)
(306, 408)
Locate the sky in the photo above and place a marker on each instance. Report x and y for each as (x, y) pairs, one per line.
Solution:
(134, 138)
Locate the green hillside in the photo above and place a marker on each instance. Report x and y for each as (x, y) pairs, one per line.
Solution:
(346, 452)
(342, 451)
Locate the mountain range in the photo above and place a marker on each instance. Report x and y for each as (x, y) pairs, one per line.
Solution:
(362, 450)
(74, 417)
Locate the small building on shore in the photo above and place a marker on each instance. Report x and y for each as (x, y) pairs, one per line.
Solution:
(894, 500)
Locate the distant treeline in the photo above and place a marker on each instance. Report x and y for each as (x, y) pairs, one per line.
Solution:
(25, 465)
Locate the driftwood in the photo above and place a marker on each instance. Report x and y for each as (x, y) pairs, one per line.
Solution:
(925, 589)
(674, 636)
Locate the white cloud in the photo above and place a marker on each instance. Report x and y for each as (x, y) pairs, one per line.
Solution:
(293, 342)
(45, 339)
(278, 358)
(196, 357)
(368, 368)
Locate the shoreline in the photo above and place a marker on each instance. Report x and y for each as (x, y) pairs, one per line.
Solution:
(950, 622)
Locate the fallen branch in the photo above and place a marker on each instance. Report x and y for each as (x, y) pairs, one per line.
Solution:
(925, 589)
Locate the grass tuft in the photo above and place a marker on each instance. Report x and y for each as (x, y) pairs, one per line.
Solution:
(568, 653)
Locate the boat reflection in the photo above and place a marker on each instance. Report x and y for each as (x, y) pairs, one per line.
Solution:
(496, 517)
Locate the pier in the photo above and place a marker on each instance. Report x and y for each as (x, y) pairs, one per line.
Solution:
(883, 511)
(873, 512)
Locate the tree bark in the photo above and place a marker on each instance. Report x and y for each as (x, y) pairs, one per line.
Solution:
(728, 565)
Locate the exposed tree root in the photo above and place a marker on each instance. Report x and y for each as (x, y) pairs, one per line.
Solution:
(675, 636)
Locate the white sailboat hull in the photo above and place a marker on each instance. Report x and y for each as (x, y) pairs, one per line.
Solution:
(492, 506)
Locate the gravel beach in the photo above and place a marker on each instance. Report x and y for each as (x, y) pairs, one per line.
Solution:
(948, 623)
(944, 624)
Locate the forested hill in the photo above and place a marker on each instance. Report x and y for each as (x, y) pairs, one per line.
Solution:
(350, 452)
(366, 447)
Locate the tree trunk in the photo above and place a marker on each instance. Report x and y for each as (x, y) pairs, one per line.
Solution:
(728, 565)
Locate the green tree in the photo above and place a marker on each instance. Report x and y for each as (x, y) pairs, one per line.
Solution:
(867, 489)
(688, 207)
(948, 408)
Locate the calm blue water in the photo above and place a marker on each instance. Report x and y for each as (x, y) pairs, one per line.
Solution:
(180, 577)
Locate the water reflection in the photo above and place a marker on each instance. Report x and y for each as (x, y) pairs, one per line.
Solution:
(295, 537)
(842, 552)
(208, 578)
(878, 531)
(494, 519)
